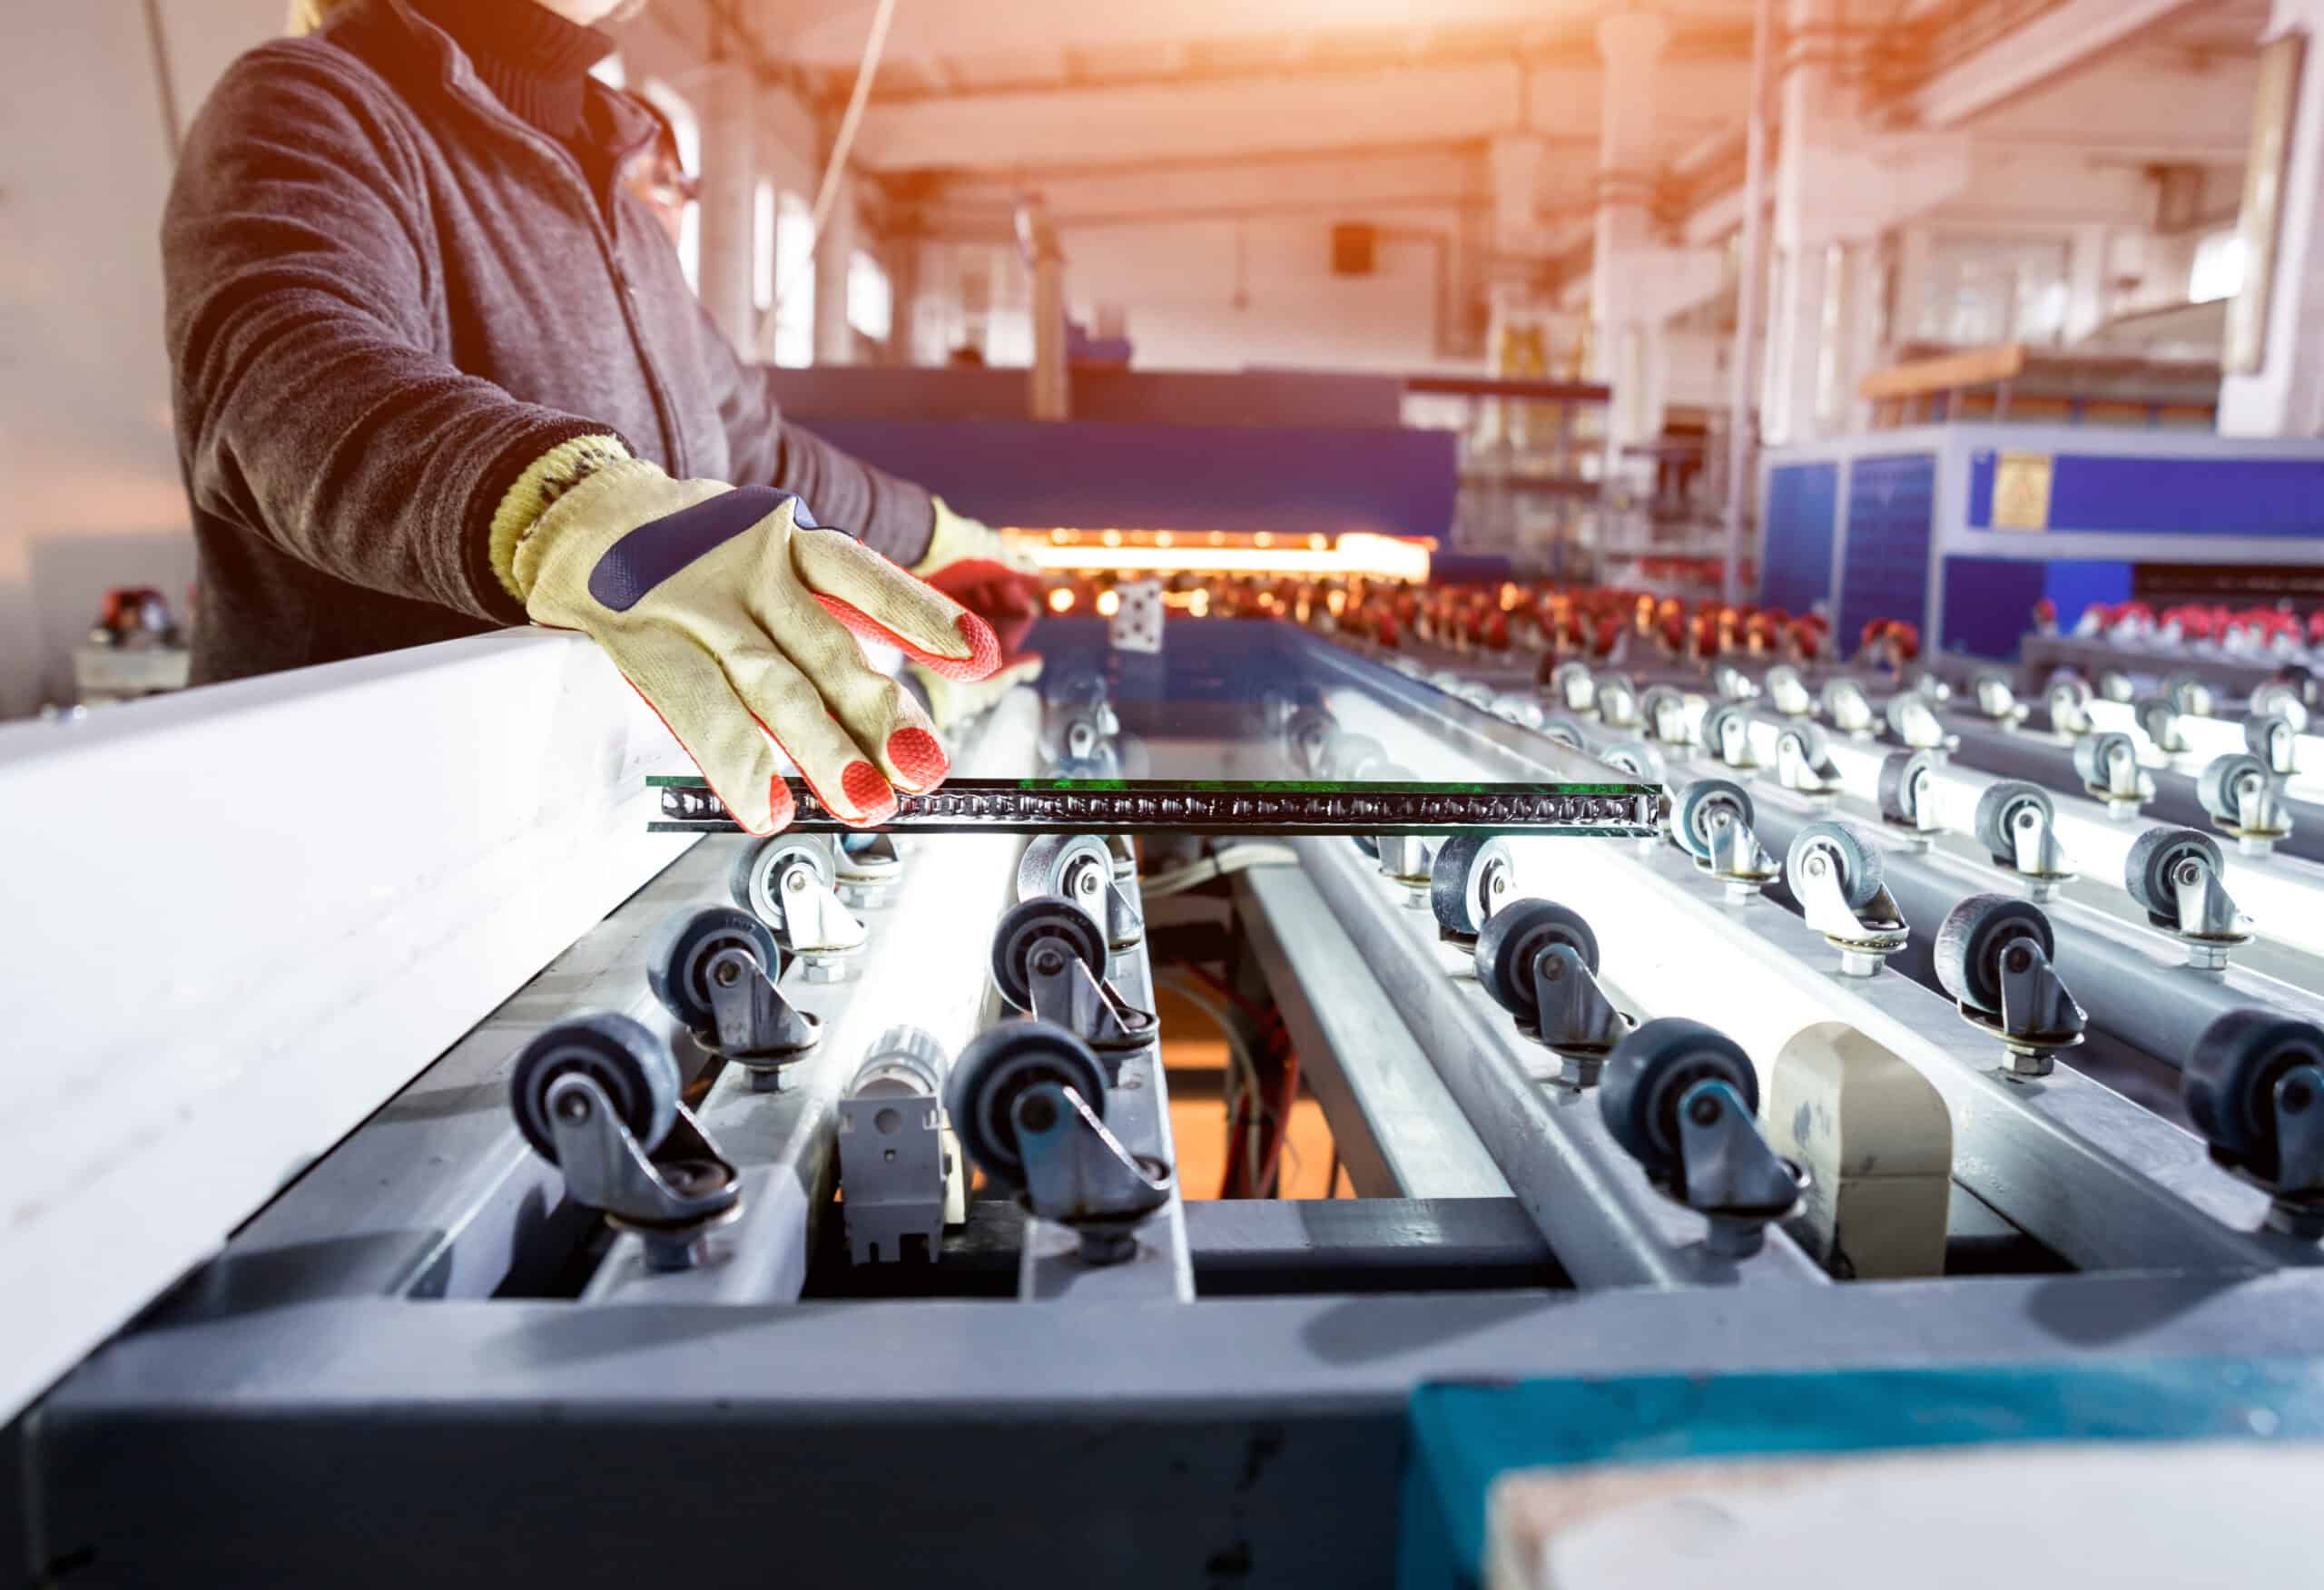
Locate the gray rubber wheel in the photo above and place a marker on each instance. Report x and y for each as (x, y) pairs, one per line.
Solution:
(1050, 859)
(1028, 924)
(2154, 855)
(1461, 880)
(2159, 720)
(752, 880)
(1305, 736)
(2187, 694)
(2229, 1082)
(2092, 752)
(2072, 689)
(1565, 729)
(1998, 811)
(1970, 939)
(1814, 748)
(1514, 939)
(999, 1066)
(1650, 1070)
(678, 958)
(620, 1054)
(1699, 803)
(1839, 692)
(2115, 685)
(1898, 705)
(1850, 847)
(1657, 700)
(2262, 735)
(2215, 786)
(1634, 757)
(1712, 731)
(1899, 772)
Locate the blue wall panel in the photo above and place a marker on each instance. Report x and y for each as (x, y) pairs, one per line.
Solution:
(1796, 569)
(2141, 495)
(1091, 474)
(1884, 570)
(1989, 601)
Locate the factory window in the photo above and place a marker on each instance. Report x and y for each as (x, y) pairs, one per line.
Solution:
(870, 308)
(763, 245)
(682, 123)
(795, 282)
(2217, 271)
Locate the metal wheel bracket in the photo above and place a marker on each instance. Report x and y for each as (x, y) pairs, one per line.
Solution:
(1577, 1020)
(1730, 1174)
(1079, 1174)
(1066, 992)
(753, 1024)
(1866, 939)
(671, 1198)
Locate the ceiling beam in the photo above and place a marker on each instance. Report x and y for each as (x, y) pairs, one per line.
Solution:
(2055, 42)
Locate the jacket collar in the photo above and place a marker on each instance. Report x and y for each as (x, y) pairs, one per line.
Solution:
(612, 121)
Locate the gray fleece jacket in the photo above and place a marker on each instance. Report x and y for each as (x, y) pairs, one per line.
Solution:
(387, 296)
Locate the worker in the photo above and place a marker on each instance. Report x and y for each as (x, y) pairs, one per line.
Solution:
(438, 370)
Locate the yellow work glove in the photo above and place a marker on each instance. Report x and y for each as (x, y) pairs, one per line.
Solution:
(957, 539)
(974, 565)
(730, 610)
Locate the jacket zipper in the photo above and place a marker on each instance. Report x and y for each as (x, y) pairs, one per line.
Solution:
(625, 290)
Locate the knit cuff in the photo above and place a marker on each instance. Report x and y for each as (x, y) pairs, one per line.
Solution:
(546, 479)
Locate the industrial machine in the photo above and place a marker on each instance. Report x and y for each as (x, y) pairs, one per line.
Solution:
(589, 1189)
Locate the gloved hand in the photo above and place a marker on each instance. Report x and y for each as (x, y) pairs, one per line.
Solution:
(730, 612)
(971, 564)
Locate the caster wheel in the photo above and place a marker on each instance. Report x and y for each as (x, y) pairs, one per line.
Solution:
(620, 1054)
(2223, 776)
(1028, 924)
(1714, 729)
(1970, 941)
(756, 880)
(1899, 706)
(2269, 739)
(2278, 699)
(2187, 694)
(1354, 757)
(1052, 863)
(1657, 700)
(1515, 937)
(1469, 881)
(1562, 728)
(1805, 739)
(1999, 810)
(1700, 804)
(2154, 855)
(1850, 848)
(2159, 720)
(1900, 787)
(1783, 679)
(999, 1066)
(1366, 843)
(2068, 690)
(678, 958)
(1839, 697)
(1634, 757)
(2093, 753)
(1650, 1070)
(1616, 698)
(1305, 736)
(2229, 1081)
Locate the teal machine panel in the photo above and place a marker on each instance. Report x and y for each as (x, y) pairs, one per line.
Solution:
(1464, 1438)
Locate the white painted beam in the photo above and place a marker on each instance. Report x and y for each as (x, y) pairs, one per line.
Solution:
(2053, 42)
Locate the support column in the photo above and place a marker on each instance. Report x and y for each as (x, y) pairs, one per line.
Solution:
(2285, 396)
(1625, 334)
(834, 338)
(1813, 120)
(729, 173)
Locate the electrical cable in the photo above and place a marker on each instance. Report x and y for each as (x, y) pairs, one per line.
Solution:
(1231, 859)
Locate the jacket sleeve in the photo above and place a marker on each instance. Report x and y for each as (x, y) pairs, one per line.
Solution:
(894, 517)
(299, 260)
